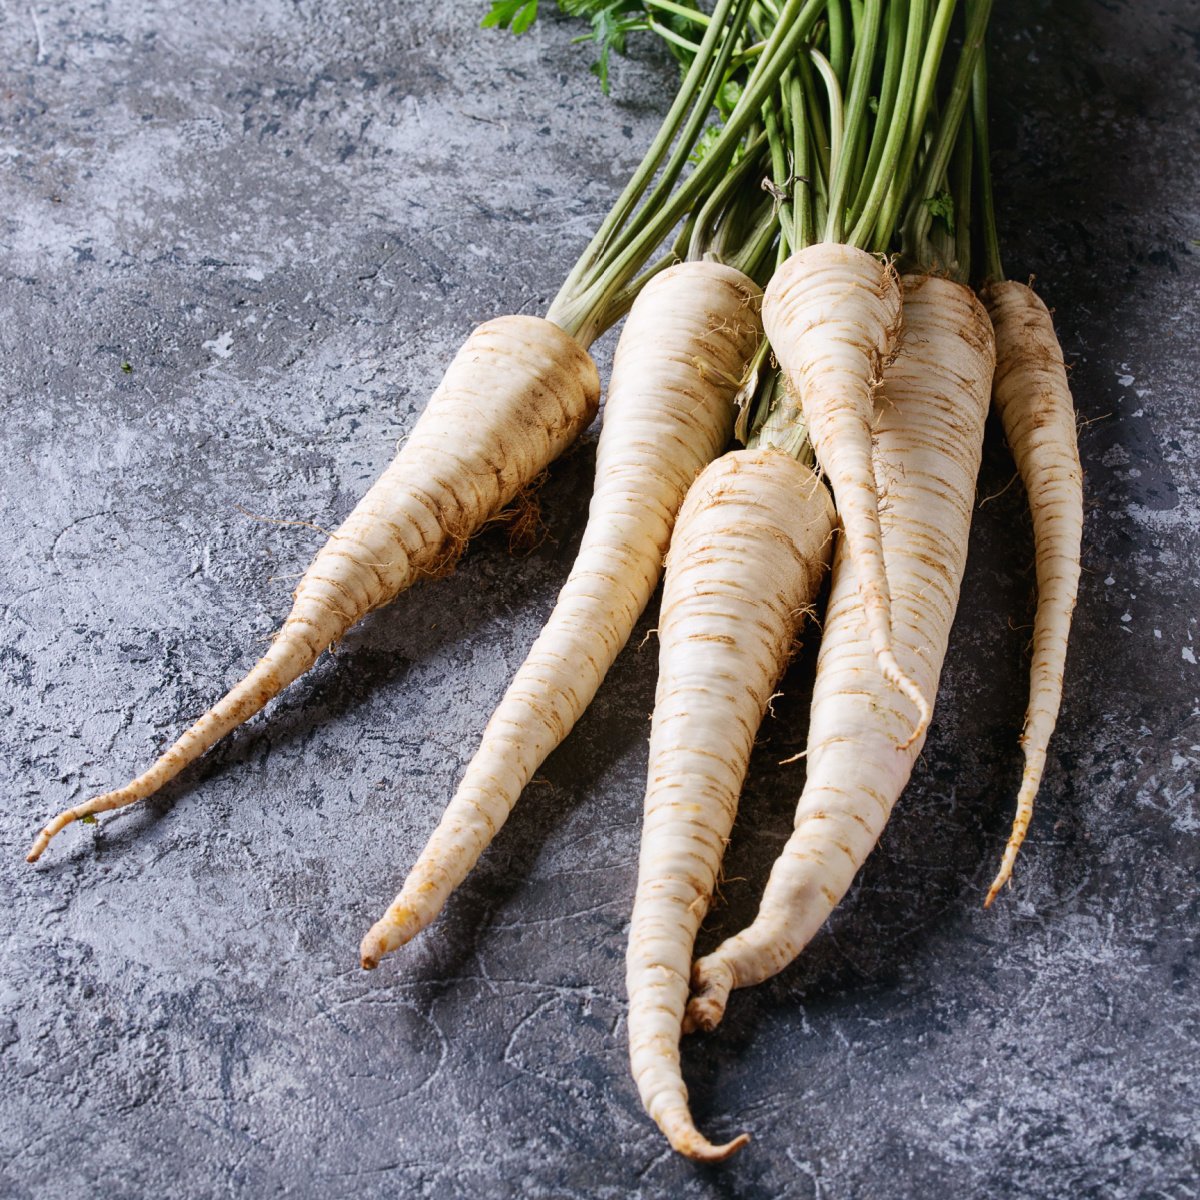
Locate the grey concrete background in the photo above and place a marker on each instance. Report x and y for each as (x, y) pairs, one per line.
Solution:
(284, 217)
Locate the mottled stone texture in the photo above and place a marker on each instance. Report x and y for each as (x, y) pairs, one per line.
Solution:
(284, 217)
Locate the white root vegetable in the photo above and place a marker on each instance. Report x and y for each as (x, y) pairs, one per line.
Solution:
(929, 421)
(831, 313)
(750, 548)
(516, 395)
(669, 411)
(1033, 399)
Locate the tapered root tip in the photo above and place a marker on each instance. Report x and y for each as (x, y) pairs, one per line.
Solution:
(372, 950)
(387, 934)
(711, 984)
(687, 1140)
(895, 676)
(698, 1148)
(43, 839)
(1004, 877)
(924, 715)
(1016, 840)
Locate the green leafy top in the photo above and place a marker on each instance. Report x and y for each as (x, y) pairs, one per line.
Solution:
(516, 15)
(612, 22)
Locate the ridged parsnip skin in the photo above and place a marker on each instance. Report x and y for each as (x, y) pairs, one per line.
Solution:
(518, 392)
(1033, 398)
(831, 313)
(750, 548)
(669, 411)
(929, 420)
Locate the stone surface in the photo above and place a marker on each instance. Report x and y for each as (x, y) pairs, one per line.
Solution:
(284, 217)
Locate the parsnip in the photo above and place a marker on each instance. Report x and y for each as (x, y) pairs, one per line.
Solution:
(669, 410)
(831, 313)
(750, 548)
(1033, 398)
(516, 395)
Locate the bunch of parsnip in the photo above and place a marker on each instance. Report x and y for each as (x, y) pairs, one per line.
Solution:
(813, 197)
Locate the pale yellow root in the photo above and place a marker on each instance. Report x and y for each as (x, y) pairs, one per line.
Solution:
(831, 313)
(1033, 399)
(669, 410)
(749, 551)
(516, 395)
(929, 428)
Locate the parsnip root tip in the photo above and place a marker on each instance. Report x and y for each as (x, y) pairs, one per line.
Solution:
(897, 677)
(375, 946)
(397, 927)
(1003, 877)
(711, 984)
(43, 839)
(924, 716)
(694, 1145)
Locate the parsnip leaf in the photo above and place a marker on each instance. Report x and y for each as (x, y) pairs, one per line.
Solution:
(517, 15)
(942, 205)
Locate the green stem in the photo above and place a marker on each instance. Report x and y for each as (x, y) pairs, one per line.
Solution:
(687, 139)
(819, 143)
(641, 178)
(993, 269)
(857, 8)
(836, 112)
(935, 43)
(742, 57)
(855, 117)
(838, 53)
(779, 172)
(885, 175)
(714, 207)
(889, 85)
(680, 10)
(918, 218)
(757, 243)
(669, 35)
(583, 313)
(805, 227)
(961, 170)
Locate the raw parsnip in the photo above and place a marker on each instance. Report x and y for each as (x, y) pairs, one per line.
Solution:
(750, 548)
(1033, 398)
(669, 411)
(831, 313)
(929, 420)
(516, 395)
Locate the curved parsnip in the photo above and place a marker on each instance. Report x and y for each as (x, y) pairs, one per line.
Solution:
(516, 395)
(831, 313)
(749, 551)
(929, 422)
(669, 411)
(1033, 399)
